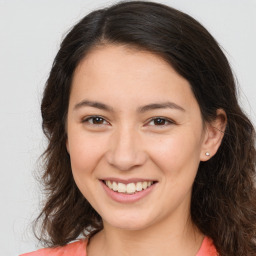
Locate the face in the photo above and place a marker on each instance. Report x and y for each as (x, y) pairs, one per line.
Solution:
(135, 137)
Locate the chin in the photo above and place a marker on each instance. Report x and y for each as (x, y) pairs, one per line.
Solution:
(129, 222)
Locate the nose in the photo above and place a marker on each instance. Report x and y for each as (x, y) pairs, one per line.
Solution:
(126, 149)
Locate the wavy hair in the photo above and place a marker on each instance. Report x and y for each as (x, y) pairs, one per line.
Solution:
(223, 204)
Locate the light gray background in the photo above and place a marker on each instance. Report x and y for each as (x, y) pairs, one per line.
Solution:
(30, 33)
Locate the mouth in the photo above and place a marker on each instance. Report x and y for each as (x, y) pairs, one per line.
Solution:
(130, 188)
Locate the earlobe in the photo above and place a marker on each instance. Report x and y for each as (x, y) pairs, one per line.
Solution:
(214, 134)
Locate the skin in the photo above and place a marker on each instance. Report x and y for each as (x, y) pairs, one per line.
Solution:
(126, 143)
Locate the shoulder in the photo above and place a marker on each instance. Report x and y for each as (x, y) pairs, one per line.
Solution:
(207, 248)
(75, 248)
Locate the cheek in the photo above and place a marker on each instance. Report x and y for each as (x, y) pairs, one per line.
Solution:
(176, 153)
(85, 152)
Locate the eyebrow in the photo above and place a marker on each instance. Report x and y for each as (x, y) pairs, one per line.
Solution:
(142, 109)
(162, 105)
(94, 104)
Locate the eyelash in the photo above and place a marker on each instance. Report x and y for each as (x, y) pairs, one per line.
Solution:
(167, 121)
(87, 120)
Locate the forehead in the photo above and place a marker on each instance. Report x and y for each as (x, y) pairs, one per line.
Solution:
(121, 73)
(123, 58)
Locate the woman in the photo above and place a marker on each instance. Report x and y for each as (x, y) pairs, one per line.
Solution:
(149, 152)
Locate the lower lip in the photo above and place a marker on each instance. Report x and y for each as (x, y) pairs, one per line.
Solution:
(127, 198)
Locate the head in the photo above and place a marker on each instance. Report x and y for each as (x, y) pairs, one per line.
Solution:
(177, 43)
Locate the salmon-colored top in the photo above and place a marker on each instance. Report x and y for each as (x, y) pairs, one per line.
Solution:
(79, 249)
(73, 249)
(207, 248)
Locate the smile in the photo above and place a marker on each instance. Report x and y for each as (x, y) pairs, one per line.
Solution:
(129, 188)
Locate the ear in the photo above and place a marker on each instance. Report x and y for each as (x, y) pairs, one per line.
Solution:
(214, 132)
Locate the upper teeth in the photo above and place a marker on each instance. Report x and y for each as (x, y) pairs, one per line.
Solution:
(129, 188)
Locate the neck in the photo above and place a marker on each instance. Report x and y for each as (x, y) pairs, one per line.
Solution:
(173, 238)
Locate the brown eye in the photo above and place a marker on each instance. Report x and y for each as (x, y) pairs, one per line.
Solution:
(159, 121)
(95, 120)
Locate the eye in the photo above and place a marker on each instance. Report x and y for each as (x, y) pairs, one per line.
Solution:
(160, 121)
(95, 120)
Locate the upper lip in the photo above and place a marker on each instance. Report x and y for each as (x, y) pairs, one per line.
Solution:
(127, 181)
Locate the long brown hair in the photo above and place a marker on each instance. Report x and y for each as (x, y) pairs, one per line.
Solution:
(223, 203)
